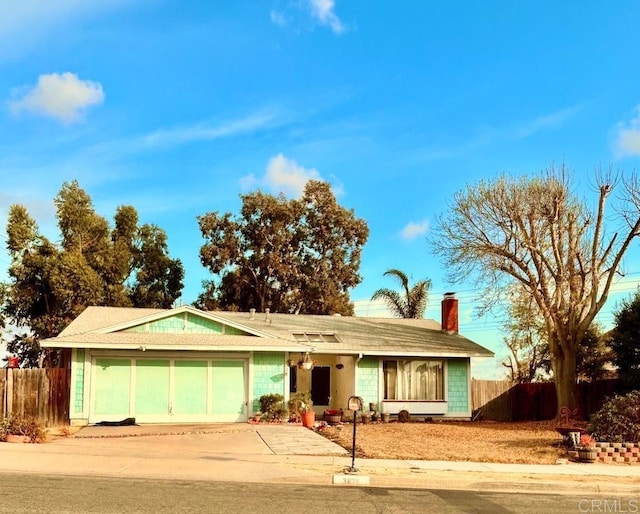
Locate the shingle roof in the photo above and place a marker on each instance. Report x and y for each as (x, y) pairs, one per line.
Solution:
(98, 327)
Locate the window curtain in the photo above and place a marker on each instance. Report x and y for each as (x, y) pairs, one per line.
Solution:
(414, 380)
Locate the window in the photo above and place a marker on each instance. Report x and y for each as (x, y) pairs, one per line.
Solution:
(315, 338)
(414, 380)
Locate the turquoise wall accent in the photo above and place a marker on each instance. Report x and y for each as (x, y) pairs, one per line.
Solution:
(458, 386)
(189, 324)
(268, 375)
(368, 376)
(78, 394)
(198, 325)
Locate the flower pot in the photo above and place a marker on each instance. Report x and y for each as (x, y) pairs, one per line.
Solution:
(588, 455)
(366, 418)
(332, 417)
(308, 418)
(14, 438)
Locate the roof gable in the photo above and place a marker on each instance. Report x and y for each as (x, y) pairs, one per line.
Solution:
(186, 323)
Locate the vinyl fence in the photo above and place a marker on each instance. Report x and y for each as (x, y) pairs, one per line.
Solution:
(501, 400)
(41, 393)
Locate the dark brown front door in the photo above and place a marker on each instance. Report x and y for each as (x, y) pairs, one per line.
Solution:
(320, 385)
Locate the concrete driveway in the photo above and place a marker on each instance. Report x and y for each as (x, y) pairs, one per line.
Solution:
(224, 438)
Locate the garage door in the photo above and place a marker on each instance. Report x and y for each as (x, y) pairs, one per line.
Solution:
(168, 390)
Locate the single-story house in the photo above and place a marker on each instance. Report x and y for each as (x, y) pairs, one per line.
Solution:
(187, 365)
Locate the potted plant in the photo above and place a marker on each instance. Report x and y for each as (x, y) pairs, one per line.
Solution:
(587, 451)
(300, 405)
(332, 416)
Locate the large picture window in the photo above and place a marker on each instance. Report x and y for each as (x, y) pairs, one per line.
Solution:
(414, 380)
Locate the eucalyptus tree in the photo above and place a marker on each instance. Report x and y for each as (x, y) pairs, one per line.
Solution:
(411, 302)
(536, 232)
(93, 264)
(289, 255)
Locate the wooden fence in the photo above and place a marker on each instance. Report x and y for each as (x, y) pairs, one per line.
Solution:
(41, 393)
(500, 400)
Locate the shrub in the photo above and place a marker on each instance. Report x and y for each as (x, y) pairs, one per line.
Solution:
(22, 425)
(300, 402)
(272, 406)
(618, 420)
(3, 430)
(404, 416)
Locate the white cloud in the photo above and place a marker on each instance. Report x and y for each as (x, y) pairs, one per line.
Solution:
(285, 175)
(627, 139)
(322, 10)
(413, 230)
(207, 132)
(278, 18)
(544, 121)
(282, 175)
(60, 96)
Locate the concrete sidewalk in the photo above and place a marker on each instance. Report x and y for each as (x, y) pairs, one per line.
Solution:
(284, 453)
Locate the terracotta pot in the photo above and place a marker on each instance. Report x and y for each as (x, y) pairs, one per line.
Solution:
(308, 418)
(14, 438)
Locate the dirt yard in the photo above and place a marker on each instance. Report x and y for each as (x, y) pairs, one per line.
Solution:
(480, 441)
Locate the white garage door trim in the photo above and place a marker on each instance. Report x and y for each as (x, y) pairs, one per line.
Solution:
(171, 417)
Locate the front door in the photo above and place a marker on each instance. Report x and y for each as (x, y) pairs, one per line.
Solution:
(321, 385)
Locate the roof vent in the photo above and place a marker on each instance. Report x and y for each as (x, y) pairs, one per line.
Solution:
(252, 314)
(266, 314)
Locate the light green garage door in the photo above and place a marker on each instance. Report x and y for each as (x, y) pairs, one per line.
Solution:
(152, 387)
(112, 379)
(228, 388)
(168, 390)
(190, 389)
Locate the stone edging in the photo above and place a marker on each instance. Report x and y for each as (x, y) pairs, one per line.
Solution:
(626, 453)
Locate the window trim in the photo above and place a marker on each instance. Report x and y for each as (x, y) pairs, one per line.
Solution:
(442, 385)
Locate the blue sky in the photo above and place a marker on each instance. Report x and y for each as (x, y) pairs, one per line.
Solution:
(177, 107)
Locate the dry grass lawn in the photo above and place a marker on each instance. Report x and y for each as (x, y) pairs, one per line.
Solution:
(478, 441)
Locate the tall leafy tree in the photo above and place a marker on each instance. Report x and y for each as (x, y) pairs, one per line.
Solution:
(535, 232)
(289, 255)
(413, 300)
(94, 264)
(625, 342)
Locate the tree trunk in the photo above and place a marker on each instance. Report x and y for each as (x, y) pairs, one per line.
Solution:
(564, 372)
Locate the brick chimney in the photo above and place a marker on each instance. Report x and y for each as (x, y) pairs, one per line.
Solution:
(450, 313)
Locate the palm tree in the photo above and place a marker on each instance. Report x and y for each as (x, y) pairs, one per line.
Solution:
(412, 303)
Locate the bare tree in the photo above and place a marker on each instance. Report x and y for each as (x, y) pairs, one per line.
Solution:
(536, 232)
(528, 360)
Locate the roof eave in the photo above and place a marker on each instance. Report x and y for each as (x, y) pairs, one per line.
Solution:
(182, 347)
